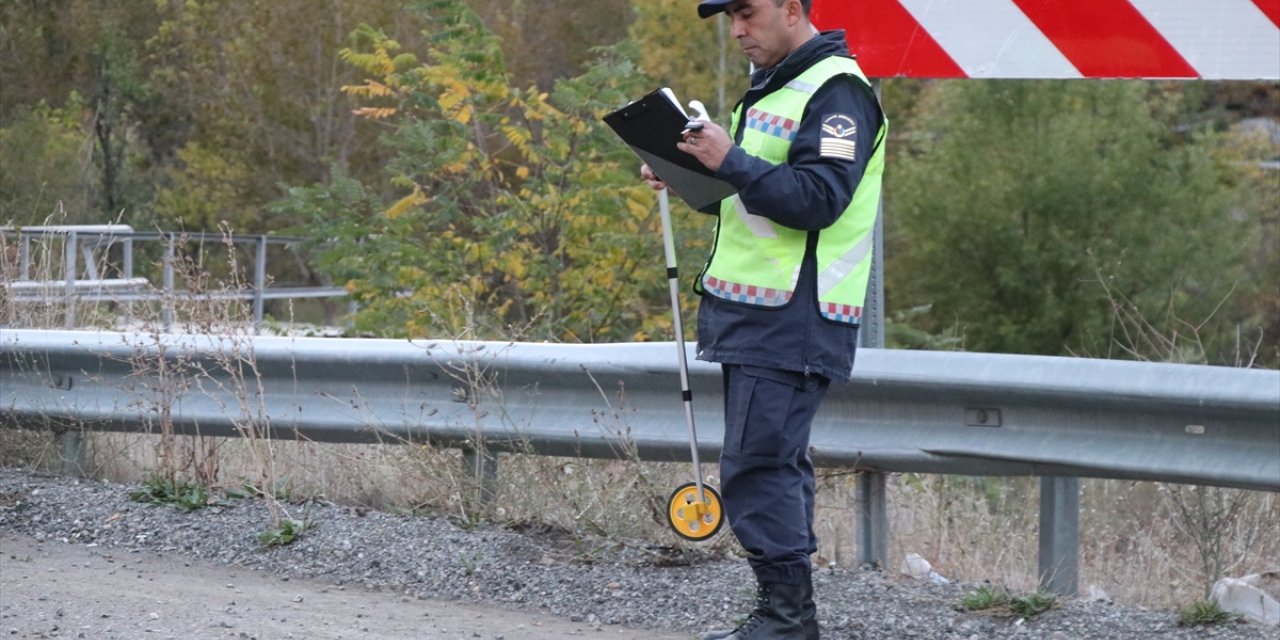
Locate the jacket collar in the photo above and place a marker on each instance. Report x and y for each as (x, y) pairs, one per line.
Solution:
(821, 46)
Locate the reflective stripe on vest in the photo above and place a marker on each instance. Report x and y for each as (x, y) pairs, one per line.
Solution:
(756, 261)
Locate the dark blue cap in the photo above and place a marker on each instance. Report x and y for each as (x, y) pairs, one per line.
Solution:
(708, 8)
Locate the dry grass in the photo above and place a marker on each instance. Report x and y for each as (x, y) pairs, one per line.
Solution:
(972, 529)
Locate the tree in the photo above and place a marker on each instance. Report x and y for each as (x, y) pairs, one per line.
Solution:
(1029, 209)
(260, 83)
(38, 57)
(58, 52)
(518, 210)
(44, 169)
(547, 40)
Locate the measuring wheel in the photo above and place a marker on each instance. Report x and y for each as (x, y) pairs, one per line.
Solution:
(694, 510)
(691, 518)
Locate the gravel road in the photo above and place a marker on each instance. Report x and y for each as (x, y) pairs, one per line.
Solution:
(78, 559)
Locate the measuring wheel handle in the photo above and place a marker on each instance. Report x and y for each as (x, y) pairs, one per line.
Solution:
(694, 519)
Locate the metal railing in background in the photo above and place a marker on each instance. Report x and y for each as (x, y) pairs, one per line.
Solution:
(903, 411)
(85, 269)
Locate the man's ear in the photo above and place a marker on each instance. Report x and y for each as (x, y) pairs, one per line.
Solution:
(795, 12)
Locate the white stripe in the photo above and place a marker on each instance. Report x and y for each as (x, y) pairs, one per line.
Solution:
(1221, 39)
(803, 87)
(759, 226)
(833, 275)
(991, 38)
(839, 148)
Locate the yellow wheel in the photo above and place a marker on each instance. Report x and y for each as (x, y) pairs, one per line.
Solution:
(692, 519)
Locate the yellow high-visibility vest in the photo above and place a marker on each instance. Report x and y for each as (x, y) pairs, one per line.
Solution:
(756, 261)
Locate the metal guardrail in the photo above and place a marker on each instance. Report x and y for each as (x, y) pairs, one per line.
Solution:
(85, 246)
(903, 411)
(938, 412)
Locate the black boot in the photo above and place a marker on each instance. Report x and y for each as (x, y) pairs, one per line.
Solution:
(809, 612)
(777, 615)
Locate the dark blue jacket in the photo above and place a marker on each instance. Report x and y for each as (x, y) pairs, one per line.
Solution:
(808, 192)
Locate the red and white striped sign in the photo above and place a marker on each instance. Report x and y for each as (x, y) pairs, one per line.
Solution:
(1210, 39)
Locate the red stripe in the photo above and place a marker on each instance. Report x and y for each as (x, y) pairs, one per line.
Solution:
(1271, 8)
(886, 39)
(1106, 39)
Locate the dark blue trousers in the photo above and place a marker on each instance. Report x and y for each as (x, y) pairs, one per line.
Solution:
(766, 474)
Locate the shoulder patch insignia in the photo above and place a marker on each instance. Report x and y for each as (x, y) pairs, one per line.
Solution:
(838, 131)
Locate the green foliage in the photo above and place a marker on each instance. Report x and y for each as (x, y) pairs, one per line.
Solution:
(42, 165)
(901, 332)
(81, 59)
(470, 563)
(288, 531)
(516, 209)
(1029, 208)
(169, 491)
(206, 191)
(984, 598)
(560, 34)
(997, 601)
(1206, 613)
(344, 211)
(1248, 149)
(257, 84)
(1033, 604)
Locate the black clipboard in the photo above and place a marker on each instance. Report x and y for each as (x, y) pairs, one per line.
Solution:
(651, 126)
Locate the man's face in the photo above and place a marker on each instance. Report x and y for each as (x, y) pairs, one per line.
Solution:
(763, 30)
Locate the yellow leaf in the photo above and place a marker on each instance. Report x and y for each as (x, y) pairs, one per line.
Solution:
(408, 202)
(375, 113)
(449, 100)
(518, 136)
(370, 89)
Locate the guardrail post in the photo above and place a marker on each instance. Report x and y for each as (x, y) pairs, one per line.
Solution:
(73, 452)
(24, 255)
(128, 275)
(483, 465)
(69, 321)
(873, 520)
(166, 306)
(1060, 534)
(259, 282)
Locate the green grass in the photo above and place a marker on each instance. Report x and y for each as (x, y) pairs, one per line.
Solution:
(985, 598)
(175, 493)
(285, 534)
(1033, 604)
(998, 602)
(1205, 613)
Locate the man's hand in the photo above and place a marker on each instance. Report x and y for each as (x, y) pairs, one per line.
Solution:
(709, 145)
(652, 178)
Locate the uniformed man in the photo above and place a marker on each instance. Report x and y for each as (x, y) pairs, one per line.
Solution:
(783, 291)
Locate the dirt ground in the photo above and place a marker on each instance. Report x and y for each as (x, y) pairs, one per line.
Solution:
(57, 590)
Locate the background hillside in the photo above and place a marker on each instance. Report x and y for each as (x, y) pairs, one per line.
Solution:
(448, 161)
